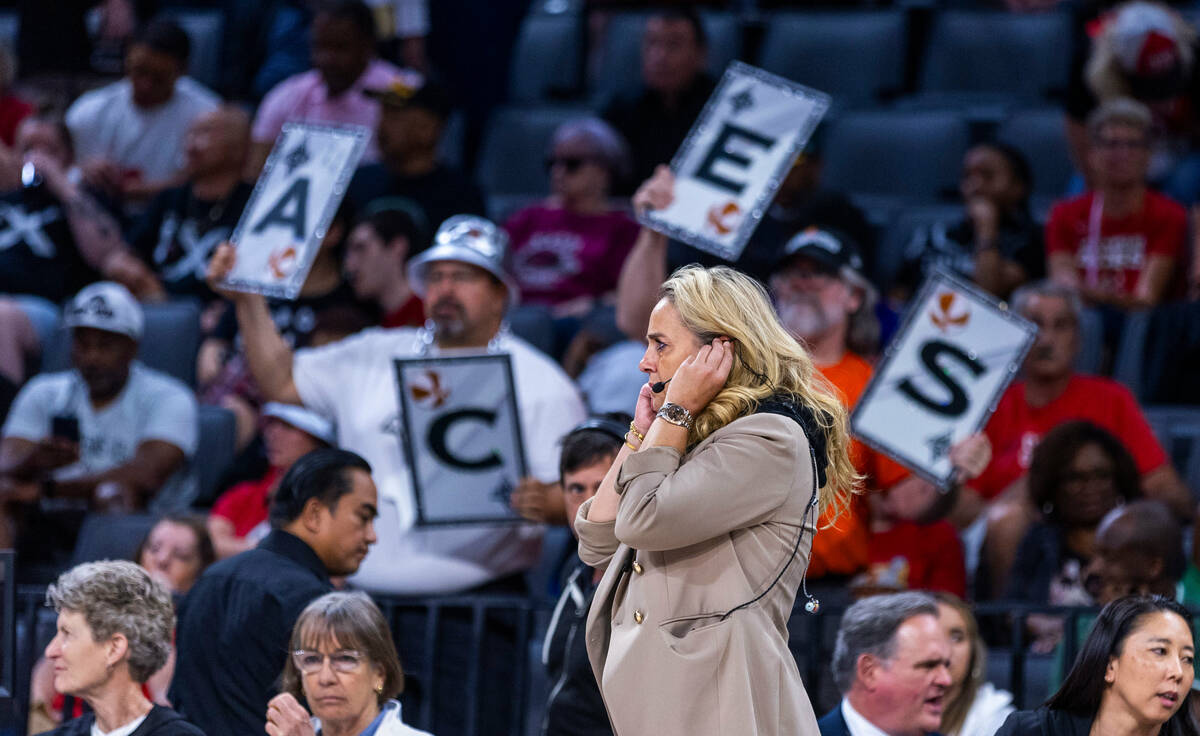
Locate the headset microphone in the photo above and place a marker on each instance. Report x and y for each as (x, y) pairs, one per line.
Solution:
(659, 386)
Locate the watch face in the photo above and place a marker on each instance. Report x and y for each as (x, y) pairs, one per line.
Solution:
(675, 413)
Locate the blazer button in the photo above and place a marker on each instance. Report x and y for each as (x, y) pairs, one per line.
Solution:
(638, 617)
(637, 567)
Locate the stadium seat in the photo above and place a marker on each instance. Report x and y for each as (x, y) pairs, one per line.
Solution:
(890, 256)
(856, 57)
(620, 68)
(1178, 429)
(170, 342)
(1023, 55)
(1158, 356)
(10, 25)
(206, 31)
(547, 60)
(914, 155)
(512, 159)
(214, 453)
(1041, 136)
(110, 537)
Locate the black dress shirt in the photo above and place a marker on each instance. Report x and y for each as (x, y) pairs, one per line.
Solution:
(233, 633)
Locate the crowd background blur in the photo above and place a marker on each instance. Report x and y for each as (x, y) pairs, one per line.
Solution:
(1046, 150)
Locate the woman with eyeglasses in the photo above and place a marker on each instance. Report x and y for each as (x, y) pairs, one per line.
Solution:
(344, 666)
(1079, 472)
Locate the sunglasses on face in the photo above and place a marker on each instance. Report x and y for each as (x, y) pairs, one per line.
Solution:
(570, 164)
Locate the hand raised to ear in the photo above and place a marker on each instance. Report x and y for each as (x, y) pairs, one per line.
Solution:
(702, 376)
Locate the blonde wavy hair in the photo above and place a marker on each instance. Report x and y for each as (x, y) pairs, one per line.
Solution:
(718, 301)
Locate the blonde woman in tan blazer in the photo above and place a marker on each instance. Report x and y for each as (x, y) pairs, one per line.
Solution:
(706, 517)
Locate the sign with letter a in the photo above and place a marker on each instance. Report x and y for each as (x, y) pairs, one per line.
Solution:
(293, 203)
(941, 378)
(735, 157)
(462, 437)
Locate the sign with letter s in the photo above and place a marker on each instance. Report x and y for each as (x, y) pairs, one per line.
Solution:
(941, 378)
(294, 201)
(462, 437)
(735, 157)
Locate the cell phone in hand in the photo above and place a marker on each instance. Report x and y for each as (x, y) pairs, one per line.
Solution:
(65, 426)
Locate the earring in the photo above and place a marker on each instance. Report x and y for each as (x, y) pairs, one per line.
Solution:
(379, 689)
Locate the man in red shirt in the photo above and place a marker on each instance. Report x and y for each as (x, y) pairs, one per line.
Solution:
(1118, 244)
(377, 252)
(1052, 393)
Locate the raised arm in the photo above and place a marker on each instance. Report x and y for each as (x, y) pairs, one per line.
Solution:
(268, 354)
(645, 268)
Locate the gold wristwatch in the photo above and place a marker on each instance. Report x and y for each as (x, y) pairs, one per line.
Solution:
(676, 414)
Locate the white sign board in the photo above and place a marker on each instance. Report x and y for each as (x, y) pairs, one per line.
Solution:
(293, 203)
(462, 437)
(942, 376)
(735, 157)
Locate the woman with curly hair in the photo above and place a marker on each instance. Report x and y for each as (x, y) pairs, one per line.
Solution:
(706, 517)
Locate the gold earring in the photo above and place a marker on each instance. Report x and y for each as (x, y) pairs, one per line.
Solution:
(379, 689)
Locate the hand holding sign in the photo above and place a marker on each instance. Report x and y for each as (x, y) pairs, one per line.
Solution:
(656, 193)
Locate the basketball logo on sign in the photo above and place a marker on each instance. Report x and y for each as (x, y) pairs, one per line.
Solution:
(723, 218)
(282, 262)
(428, 390)
(950, 311)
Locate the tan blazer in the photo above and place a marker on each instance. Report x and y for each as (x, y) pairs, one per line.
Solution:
(694, 537)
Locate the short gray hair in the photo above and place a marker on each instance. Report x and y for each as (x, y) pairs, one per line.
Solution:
(118, 597)
(1047, 288)
(1120, 111)
(869, 627)
(609, 145)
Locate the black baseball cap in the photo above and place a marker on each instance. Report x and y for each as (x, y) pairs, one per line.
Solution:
(831, 249)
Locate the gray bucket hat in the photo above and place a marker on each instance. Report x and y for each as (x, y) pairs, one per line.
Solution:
(467, 239)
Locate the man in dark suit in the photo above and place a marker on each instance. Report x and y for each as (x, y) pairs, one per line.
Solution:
(892, 666)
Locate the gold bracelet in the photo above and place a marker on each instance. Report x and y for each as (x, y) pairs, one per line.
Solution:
(633, 428)
(630, 444)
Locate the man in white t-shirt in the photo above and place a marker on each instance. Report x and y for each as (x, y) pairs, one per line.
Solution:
(110, 431)
(353, 383)
(129, 135)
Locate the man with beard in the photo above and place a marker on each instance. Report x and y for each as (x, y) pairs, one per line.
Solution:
(353, 383)
(109, 433)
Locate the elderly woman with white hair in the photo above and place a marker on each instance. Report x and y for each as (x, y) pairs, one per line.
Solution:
(567, 251)
(115, 624)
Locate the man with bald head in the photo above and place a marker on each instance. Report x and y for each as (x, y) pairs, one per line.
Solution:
(182, 226)
(1139, 551)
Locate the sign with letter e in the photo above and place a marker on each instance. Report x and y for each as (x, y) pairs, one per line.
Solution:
(942, 376)
(462, 437)
(293, 203)
(735, 157)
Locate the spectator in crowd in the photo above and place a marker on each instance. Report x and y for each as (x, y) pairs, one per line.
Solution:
(175, 552)
(54, 239)
(222, 372)
(235, 624)
(1138, 550)
(657, 117)
(129, 136)
(332, 92)
(376, 263)
(411, 122)
(973, 706)
(1120, 243)
(355, 694)
(1145, 51)
(180, 228)
(114, 632)
(575, 707)
(567, 251)
(996, 243)
(1050, 393)
(403, 26)
(1078, 474)
(110, 430)
(891, 663)
(13, 109)
(466, 292)
(905, 555)
(238, 520)
(1132, 675)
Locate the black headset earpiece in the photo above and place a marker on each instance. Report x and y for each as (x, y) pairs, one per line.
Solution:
(603, 424)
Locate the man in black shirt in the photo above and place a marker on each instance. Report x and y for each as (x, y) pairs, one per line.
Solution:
(411, 120)
(182, 226)
(656, 118)
(235, 623)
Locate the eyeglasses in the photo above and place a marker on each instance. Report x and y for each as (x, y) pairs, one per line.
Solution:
(570, 163)
(1129, 144)
(310, 662)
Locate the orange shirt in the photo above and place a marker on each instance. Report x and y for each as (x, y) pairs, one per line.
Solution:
(841, 549)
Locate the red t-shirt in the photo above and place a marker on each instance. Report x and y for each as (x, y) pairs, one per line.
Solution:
(409, 314)
(12, 111)
(1016, 427)
(1124, 244)
(841, 549)
(558, 255)
(245, 505)
(912, 556)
